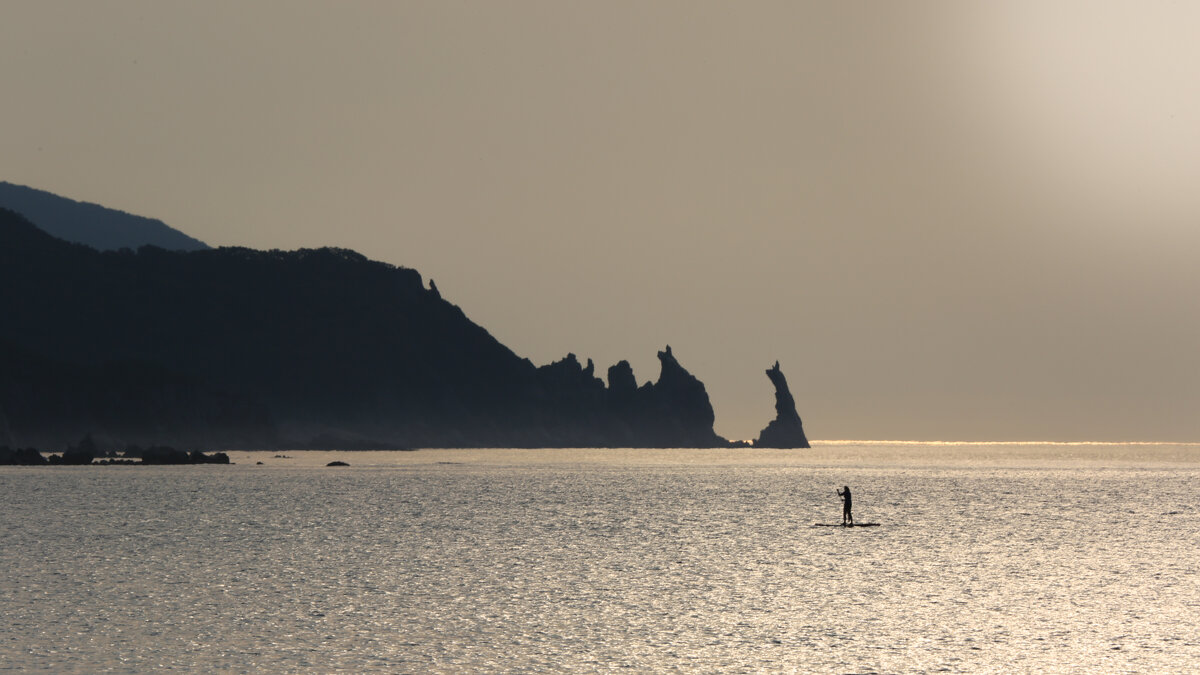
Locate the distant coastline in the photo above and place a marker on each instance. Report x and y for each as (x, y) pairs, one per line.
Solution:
(315, 348)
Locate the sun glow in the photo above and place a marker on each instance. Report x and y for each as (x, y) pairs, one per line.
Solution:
(1094, 104)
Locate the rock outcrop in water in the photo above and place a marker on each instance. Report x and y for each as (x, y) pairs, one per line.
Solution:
(84, 453)
(154, 455)
(786, 430)
(20, 456)
(168, 455)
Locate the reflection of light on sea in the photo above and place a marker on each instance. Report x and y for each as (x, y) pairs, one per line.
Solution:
(583, 560)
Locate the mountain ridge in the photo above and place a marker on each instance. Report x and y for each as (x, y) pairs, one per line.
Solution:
(99, 227)
(315, 347)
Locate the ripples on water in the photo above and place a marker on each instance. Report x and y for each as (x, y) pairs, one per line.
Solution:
(647, 561)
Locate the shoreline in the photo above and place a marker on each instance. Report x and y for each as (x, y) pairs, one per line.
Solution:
(1041, 456)
(897, 455)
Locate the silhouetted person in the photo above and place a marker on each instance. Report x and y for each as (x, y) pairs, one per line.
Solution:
(847, 517)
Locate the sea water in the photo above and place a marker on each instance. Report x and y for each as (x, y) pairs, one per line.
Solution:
(1012, 558)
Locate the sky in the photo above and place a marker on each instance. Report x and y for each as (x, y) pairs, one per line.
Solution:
(947, 220)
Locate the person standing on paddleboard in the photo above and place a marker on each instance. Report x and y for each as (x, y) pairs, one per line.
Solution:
(847, 517)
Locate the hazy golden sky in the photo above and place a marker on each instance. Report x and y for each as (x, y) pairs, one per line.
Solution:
(947, 220)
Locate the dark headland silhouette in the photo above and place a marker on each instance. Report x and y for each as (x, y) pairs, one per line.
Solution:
(234, 347)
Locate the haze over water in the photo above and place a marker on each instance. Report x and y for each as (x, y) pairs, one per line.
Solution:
(1009, 557)
(974, 220)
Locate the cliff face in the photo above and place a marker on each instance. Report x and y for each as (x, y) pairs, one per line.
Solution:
(311, 347)
(678, 409)
(52, 403)
(786, 430)
(6, 438)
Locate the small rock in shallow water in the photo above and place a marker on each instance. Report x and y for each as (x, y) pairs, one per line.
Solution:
(337, 464)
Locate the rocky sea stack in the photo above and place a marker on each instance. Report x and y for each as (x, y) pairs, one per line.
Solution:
(786, 430)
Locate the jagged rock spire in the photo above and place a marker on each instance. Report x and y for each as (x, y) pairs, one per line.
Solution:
(786, 430)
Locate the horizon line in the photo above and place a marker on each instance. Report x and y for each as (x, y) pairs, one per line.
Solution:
(1064, 443)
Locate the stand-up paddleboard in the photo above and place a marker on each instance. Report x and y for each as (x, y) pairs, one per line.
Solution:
(845, 524)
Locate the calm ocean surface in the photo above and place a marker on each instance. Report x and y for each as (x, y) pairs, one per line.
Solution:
(989, 558)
